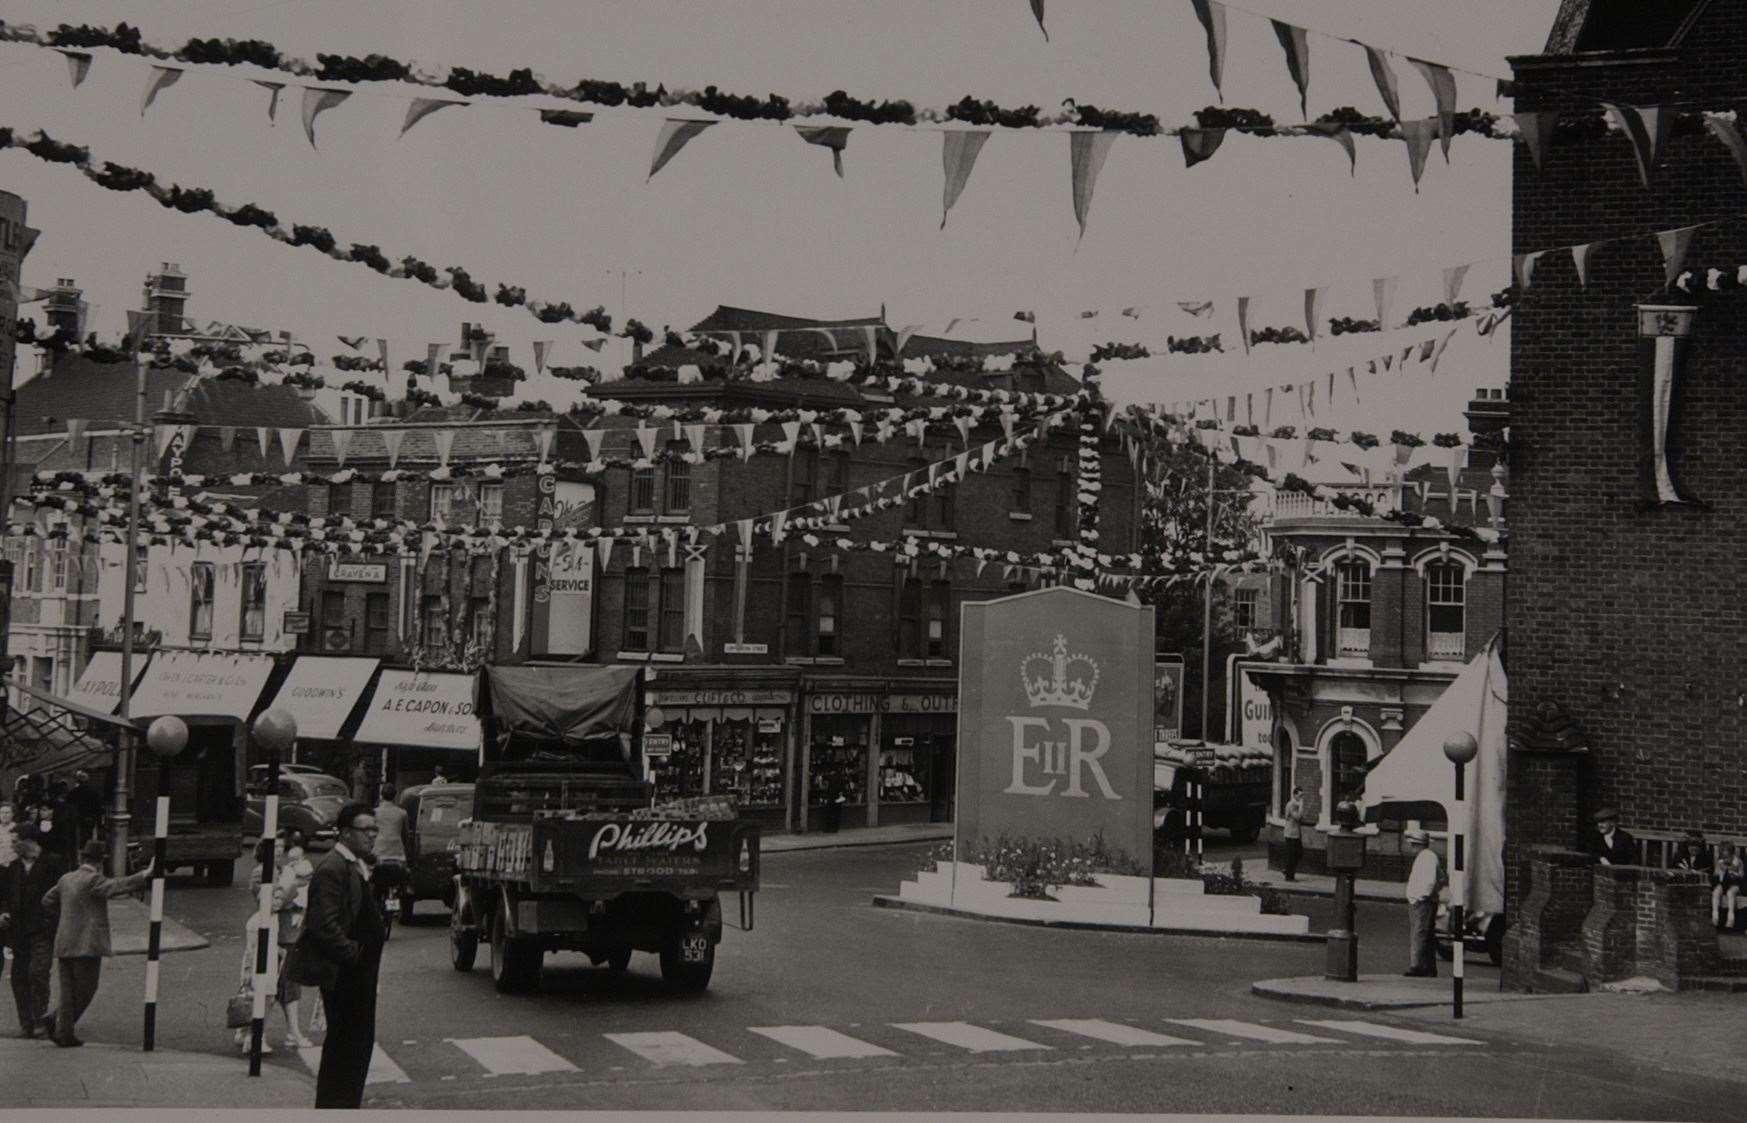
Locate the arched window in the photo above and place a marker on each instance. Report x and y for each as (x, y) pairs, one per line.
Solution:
(1446, 616)
(1346, 765)
(1353, 607)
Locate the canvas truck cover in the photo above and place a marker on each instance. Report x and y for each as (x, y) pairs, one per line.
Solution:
(565, 706)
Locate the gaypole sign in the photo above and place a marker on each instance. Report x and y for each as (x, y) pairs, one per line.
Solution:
(563, 585)
(1167, 698)
(1055, 720)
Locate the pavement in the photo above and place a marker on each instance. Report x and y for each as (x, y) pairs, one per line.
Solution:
(39, 1075)
(130, 924)
(1386, 992)
(858, 836)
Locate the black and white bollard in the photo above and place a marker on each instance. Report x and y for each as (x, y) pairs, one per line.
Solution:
(264, 936)
(155, 935)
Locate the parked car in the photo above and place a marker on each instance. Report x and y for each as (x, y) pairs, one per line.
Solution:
(258, 772)
(308, 801)
(1484, 932)
(433, 813)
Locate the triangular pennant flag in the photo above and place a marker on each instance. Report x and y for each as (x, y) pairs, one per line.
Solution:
(855, 432)
(1580, 259)
(1087, 150)
(1674, 245)
(162, 78)
(870, 336)
(1438, 355)
(1342, 136)
(1211, 13)
(963, 424)
(1453, 277)
(1296, 44)
(1383, 292)
(353, 342)
(743, 434)
(342, 439)
(1037, 10)
(272, 89)
(791, 433)
(834, 137)
(958, 155)
(1384, 75)
(78, 65)
(382, 353)
(1729, 133)
(227, 437)
(289, 439)
(543, 442)
(1268, 407)
(422, 107)
(1353, 384)
(317, 101)
(603, 547)
(264, 437)
(1199, 144)
(1523, 268)
(391, 439)
(1646, 128)
(594, 344)
(777, 522)
(676, 133)
(1443, 85)
(1537, 132)
(1418, 137)
(1007, 416)
(1311, 298)
(445, 442)
(1243, 321)
(540, 346)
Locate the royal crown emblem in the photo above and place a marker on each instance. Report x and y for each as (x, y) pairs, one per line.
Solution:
(1059, 679)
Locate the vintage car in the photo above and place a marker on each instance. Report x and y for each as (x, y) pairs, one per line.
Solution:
(308, 801)
(433, 812)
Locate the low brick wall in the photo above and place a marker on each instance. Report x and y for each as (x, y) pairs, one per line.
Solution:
(1547, 933)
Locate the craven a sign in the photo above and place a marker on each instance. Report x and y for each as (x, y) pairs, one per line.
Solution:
(1056, 720)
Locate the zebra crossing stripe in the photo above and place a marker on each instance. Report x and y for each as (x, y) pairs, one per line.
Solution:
(818, 1041)
(1113, 1032)
(522, 1056)
(1231, 1027)
(383, 1070)
(1391, 1033)
(967, 1036)
(667, 1048)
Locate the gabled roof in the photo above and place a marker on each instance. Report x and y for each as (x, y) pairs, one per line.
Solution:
(1621, 25)
(76, 387)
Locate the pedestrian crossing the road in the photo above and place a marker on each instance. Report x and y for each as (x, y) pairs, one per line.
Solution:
(593, 1055)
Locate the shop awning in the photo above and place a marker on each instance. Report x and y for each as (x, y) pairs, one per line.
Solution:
(99, 688)
(569, 704)
(322, 690)
(202, 684)
(46, 740)
(421, 709)
(1416, 773)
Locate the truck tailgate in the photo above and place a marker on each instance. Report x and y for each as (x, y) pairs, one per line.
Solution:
(605, 857)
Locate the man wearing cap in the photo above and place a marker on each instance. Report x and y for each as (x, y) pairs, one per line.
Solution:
(1610, 844)
(1423, 881)
(82, 938)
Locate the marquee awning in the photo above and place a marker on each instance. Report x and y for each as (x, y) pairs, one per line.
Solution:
(202, 684)
(99, 687)
(421, 709)
(322, 691)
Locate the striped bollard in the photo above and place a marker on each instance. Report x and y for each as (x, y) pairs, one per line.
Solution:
(154, 937)
(263, 937)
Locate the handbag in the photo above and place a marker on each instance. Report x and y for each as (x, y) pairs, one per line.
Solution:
(240, 1010)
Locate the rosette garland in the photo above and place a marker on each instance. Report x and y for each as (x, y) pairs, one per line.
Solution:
(1082, 559)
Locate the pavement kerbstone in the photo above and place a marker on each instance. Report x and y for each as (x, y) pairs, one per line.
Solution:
(1383, 992)
(130, 927)
(102, 1075)
(892, 902)
(857, 836)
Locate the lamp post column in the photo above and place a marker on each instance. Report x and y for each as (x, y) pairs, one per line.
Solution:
(122, 816)
(1459, 749)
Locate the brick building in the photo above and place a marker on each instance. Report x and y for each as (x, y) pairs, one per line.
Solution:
(1621, 606)
(1377, 620)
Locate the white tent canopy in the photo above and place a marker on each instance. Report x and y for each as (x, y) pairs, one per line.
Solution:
(1416, 771)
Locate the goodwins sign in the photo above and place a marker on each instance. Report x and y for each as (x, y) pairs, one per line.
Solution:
(1055, 720)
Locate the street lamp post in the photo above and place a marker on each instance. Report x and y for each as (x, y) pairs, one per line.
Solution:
(276, 731)
(124, 756)
(1460, 749)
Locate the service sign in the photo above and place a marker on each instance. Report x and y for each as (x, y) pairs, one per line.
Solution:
(563, 580)
(421, 708)
(1055, 720)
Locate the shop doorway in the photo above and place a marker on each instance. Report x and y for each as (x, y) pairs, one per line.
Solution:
(942, 770)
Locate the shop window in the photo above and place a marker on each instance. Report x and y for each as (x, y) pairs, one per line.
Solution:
(1020, 504)
(636, 610)
(746, 760)
(376, 623)
(826, 611)
(916, 475)
(676, 495)
(672, 609)
(339, 499)
(436, 620)
(203, 578)
(382, 500)
(680, 774)
(1064, 499)
(642, 500)
(795, 635)
(904, 772)
(1346, 758)
(1245, 604)
(254, 607)
(838, 767)
(910, 619)
(939, 609)
(1353, 608)
(1446, 596)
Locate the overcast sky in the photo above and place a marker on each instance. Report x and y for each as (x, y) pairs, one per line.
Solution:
(749, 215)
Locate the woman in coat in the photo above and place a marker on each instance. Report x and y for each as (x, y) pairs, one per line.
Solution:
(290, 899)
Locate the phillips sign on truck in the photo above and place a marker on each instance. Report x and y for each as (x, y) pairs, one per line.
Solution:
(1055, 720)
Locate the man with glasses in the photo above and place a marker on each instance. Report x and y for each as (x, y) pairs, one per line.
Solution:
(341, 952)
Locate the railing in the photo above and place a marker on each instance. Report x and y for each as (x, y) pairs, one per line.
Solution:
(1297, 505)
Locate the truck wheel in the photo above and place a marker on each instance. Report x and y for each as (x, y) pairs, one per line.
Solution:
(515, 964)
(463, 944)
(686, 978)
(220, 873)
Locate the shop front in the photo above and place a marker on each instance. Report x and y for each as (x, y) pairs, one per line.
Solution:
(415, 721)
(321, 692)
(216, 695)
(716, 735)
(879, 751)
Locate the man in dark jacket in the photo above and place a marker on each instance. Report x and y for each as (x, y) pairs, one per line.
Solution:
(29, 930)
(341, 951)
(1611, 845)
(84, 806)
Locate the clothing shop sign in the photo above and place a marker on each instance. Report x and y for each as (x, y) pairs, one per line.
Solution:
(1056, 720)
(867, 703)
